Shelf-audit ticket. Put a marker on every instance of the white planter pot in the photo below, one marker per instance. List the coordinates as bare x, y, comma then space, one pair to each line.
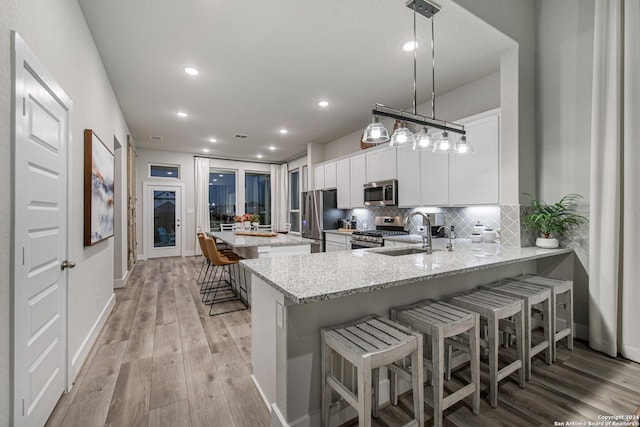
255, 225
541, 242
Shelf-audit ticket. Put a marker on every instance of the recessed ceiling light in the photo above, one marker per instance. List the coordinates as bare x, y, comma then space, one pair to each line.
182, 114
410, 45
271, 147
259, 156
213, 140
191, 71
323, 103
283, 131
205, 150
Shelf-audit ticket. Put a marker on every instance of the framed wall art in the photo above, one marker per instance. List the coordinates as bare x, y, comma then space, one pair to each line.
99, 174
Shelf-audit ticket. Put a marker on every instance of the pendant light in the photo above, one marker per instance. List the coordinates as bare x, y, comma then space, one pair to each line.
463, 147
376, 133
402, 137
423, 140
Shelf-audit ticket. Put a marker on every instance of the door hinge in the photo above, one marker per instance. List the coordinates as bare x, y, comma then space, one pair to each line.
24, 106
23, 412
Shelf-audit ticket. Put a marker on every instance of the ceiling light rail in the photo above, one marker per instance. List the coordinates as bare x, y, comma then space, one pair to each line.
385, 111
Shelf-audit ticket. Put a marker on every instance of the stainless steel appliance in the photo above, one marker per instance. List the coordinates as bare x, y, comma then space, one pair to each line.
381, 193
385, 226
319, 213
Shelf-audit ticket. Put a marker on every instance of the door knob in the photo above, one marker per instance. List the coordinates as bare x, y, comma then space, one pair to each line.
67, 264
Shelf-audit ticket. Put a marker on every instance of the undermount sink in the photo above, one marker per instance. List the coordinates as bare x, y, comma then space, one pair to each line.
408, 251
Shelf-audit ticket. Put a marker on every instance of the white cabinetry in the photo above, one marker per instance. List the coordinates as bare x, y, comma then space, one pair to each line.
330, 175
343, 183
381, 164
423, 178
357, 180
318, 177
324, 176
337, 242
475, 179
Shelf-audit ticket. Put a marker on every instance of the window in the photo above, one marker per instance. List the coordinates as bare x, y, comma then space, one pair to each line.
164, 171
257, 195
294, 197
222, 198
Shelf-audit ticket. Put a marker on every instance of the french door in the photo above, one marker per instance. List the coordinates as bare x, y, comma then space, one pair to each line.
163, 220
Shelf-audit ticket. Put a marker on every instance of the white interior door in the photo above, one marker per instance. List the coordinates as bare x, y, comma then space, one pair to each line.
42, 114
163, 220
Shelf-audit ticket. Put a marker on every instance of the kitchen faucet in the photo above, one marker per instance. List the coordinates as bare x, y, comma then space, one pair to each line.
426, 236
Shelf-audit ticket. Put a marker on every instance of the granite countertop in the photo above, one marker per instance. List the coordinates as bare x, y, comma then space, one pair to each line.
239, 241
406, 238
341, 233
322, 276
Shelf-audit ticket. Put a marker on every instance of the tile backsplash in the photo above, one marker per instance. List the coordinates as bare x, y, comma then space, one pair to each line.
463, 218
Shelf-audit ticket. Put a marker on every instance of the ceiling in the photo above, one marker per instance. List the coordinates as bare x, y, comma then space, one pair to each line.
264, 66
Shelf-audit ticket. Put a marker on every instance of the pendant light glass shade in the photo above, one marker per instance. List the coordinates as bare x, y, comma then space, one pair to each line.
402, 137
375, 133
444, 144
424, 141
463, 147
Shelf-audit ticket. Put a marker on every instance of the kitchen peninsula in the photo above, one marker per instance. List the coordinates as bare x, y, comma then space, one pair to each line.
294, 297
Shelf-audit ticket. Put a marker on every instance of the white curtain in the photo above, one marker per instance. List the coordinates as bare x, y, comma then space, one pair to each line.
279, 196
202, 197
614, 236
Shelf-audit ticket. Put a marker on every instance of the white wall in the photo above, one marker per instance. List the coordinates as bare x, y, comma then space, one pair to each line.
564, 79
475, 97
187, 177
58, 34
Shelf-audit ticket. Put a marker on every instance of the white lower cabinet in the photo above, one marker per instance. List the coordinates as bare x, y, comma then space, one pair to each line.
337, 242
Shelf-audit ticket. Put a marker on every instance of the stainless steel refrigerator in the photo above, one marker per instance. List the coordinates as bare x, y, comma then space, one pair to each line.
319, 212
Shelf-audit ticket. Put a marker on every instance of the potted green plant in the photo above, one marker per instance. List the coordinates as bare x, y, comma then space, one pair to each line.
552, 221
255, 221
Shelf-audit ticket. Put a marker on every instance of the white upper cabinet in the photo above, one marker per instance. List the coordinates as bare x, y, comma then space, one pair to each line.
343, 183
475, 179
358, 178
409, 184
381, 164
434, 179
318, 177
330, 175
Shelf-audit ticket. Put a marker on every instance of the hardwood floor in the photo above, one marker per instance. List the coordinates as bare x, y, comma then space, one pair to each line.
161, 360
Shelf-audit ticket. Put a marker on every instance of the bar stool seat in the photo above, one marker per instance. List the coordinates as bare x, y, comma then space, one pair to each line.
440, 320
495, 310
531, 295
368, 344
564, 290
234, 285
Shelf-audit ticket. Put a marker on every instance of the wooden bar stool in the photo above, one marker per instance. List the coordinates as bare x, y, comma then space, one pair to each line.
495, 310
368, 344
531, 295
440, 321
562, 295
235, 285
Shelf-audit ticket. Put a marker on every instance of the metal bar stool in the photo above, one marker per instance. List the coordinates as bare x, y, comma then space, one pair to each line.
368, 344
495, 311
564, 290
234, 284
439, 321
531, 295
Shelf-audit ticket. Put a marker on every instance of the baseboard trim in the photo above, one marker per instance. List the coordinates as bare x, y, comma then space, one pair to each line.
79, 357
188, 253
142, 257
264, 397
121, 283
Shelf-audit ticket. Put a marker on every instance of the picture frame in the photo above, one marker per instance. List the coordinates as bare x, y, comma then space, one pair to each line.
99, 175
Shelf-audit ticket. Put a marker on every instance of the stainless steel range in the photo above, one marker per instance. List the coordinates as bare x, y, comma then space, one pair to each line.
385, 226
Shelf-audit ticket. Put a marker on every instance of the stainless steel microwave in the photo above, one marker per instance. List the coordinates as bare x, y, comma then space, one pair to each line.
381, 193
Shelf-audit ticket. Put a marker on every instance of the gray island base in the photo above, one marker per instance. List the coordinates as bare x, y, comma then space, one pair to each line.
294, 297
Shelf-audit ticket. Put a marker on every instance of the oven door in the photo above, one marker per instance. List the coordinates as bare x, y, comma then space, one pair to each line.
359, 244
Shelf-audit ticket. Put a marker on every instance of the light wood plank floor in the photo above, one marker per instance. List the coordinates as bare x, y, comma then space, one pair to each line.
161, 360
